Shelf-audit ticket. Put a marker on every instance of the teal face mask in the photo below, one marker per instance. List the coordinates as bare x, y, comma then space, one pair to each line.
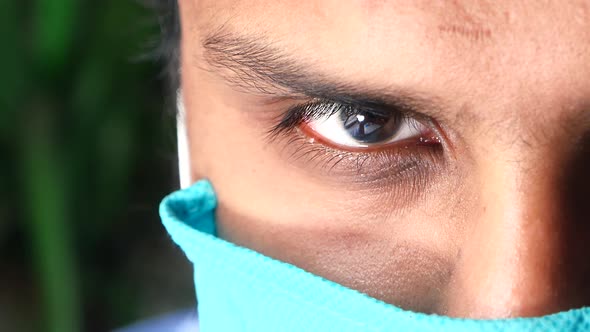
241, 290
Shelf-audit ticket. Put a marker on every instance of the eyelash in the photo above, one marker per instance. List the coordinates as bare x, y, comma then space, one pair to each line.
412, 162
314, 110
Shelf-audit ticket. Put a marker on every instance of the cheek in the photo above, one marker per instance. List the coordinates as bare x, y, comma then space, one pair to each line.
390, 263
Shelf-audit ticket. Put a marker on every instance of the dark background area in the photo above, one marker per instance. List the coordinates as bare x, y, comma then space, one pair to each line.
87, 151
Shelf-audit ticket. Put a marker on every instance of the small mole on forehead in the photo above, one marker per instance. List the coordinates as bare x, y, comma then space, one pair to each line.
458, 19
472, 33
467, 21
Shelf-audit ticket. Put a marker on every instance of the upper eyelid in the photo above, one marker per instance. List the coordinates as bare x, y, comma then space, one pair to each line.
379, 109
298, 113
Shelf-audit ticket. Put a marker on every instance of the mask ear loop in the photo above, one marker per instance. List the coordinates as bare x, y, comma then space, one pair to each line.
184, 166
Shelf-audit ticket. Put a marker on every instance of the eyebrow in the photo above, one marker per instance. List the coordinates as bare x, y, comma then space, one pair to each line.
256, 64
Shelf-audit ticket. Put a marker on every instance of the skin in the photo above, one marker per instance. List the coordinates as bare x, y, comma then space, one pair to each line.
491, 224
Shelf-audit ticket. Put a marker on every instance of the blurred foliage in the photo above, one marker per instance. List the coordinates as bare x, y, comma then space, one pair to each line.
87, 152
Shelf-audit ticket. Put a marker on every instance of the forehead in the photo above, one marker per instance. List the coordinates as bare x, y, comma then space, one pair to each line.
391, 30
465, 49
382, 16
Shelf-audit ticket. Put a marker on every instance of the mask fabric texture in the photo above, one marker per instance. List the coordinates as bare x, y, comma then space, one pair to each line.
241, 290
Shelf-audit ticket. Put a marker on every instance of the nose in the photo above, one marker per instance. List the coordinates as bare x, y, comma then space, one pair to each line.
527, 252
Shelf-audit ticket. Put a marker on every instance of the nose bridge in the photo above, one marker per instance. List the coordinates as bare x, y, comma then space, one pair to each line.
516, 257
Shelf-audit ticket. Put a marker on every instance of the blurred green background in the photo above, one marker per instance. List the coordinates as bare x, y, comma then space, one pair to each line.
87, 151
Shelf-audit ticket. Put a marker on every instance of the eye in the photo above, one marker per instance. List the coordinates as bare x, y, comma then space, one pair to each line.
355, 128
361, 142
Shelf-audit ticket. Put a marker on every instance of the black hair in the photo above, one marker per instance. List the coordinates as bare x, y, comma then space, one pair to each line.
168, 49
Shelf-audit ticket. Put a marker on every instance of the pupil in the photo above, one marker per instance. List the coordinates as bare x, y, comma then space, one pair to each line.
368, 127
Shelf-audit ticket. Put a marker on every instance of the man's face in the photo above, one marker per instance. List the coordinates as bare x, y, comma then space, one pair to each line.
432, 154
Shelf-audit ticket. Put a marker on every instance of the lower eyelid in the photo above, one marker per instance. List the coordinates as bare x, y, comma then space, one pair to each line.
403, 165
